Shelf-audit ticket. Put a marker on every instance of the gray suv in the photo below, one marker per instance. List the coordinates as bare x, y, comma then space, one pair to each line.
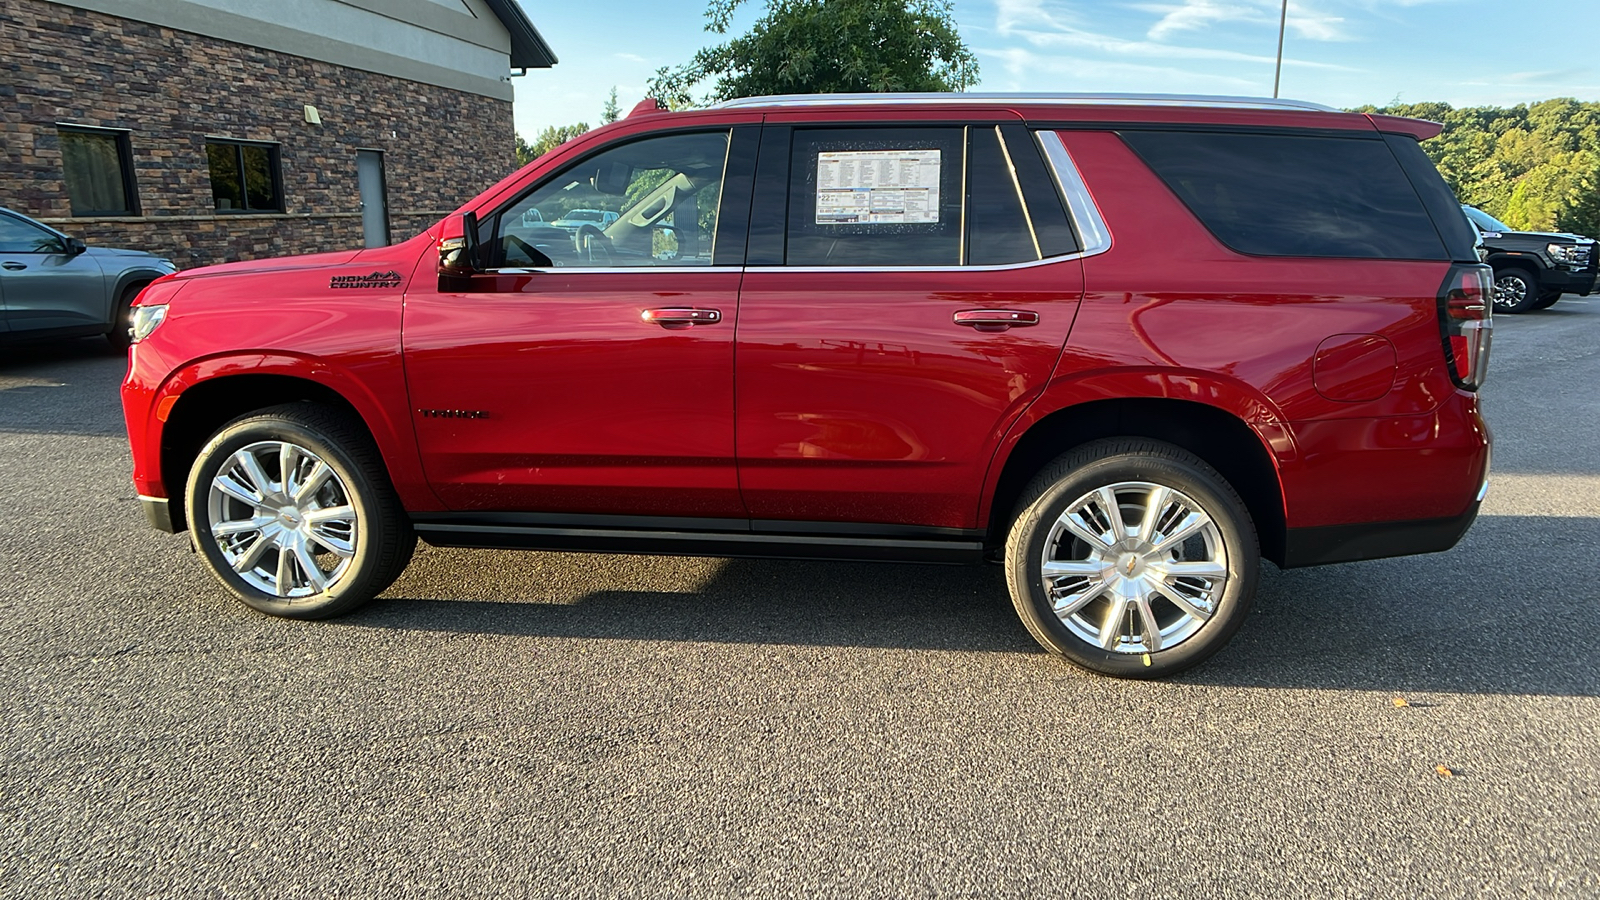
52, 285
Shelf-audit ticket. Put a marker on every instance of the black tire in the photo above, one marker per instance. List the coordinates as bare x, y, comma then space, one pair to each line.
1122, 462
1546, 300
1515, 290
122, 319
383, 539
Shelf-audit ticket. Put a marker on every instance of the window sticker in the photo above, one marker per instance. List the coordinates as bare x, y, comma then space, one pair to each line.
887, 187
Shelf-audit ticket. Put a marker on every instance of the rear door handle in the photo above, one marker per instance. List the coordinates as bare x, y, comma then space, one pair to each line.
682, 317
14, 266
996, 319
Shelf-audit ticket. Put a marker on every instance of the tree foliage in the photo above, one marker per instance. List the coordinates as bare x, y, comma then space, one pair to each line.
548, 139
612, 111
826, 46
1534, 167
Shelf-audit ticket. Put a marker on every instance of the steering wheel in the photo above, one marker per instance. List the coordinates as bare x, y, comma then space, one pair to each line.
593, 245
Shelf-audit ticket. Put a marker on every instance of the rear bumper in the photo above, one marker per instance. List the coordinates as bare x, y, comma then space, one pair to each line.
1373, 540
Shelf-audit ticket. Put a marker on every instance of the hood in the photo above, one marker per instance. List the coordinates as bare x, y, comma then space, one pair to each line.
282, 263
119, 252
1541, 235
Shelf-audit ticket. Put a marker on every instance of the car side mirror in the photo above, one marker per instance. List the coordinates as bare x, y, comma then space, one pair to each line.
461, 256
76, 247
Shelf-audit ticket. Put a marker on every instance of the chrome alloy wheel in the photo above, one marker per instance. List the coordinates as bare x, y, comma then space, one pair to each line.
1509, 291
1134, 567
283, 519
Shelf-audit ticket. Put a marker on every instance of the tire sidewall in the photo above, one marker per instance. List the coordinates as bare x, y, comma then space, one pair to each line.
1233, 522
351, 589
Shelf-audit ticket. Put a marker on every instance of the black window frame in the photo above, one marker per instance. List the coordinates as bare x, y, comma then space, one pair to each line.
1042, 202
274, 164
130, 189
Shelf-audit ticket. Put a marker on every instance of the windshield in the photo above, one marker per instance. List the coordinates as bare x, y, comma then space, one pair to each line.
1485, 221
584, 215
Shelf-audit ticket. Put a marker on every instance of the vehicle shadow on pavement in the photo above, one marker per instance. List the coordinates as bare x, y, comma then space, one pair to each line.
1500, 614
62, 387
779, 602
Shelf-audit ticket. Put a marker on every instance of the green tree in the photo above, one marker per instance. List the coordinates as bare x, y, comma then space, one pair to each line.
826, 46
1535, 167
548, 139
612, 111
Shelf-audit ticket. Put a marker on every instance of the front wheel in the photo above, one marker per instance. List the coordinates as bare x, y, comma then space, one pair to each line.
1515, 290
293, 512
1132, 558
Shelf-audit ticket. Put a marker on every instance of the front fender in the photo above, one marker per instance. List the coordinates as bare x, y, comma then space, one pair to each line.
150, 400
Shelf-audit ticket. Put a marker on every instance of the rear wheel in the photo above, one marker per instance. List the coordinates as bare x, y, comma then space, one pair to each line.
1515, 290
1132, 558
293, 512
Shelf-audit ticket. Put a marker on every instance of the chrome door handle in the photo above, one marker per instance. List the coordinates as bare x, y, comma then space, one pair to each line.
14, 266
682, 317
996, 319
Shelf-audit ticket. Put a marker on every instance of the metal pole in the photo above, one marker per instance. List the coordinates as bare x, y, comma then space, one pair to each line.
1277, 73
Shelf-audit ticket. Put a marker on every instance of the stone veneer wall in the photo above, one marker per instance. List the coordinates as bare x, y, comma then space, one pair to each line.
173, 89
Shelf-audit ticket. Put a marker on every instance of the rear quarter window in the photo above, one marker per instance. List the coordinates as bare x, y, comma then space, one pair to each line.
1294, 195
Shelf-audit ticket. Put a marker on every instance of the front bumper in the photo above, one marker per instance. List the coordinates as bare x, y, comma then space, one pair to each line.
158, 511
1570, 282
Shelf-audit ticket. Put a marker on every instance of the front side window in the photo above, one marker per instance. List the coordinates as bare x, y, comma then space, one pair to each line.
245, 177
651, 202
97, 166
17, 236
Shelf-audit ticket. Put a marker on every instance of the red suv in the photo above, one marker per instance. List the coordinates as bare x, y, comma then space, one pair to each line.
1125, 346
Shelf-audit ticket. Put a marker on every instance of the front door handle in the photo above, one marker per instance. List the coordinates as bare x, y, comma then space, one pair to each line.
996, 319
14, 266
682, 317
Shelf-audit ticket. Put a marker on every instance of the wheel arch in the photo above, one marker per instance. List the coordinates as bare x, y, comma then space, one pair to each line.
126, 281
200, 399
1241, 454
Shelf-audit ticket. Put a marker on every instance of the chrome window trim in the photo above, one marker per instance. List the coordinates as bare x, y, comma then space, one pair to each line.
1065, 257
613, 270
1091, 226
574, 270
1182, 100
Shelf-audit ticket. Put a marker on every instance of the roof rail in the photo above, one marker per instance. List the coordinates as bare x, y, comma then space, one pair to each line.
1198, 100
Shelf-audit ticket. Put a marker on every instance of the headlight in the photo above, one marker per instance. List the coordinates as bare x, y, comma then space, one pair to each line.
145, 320
167, 264
1576, 255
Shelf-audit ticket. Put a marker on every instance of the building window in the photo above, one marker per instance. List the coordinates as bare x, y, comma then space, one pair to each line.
97, 165
245, 177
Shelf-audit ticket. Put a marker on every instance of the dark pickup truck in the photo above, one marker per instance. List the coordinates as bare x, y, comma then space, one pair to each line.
1532, 269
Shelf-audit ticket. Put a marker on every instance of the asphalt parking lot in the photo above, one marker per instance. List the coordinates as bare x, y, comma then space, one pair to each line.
564, 725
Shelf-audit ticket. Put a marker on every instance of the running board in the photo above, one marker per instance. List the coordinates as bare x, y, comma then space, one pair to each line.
701, 537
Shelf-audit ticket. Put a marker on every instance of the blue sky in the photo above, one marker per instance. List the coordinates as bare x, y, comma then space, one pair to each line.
1339, 52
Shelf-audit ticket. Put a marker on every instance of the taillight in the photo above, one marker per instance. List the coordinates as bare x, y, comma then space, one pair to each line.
1465, 320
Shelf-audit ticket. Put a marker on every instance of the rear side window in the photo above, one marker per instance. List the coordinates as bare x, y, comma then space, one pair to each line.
1294, 195
870, 197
